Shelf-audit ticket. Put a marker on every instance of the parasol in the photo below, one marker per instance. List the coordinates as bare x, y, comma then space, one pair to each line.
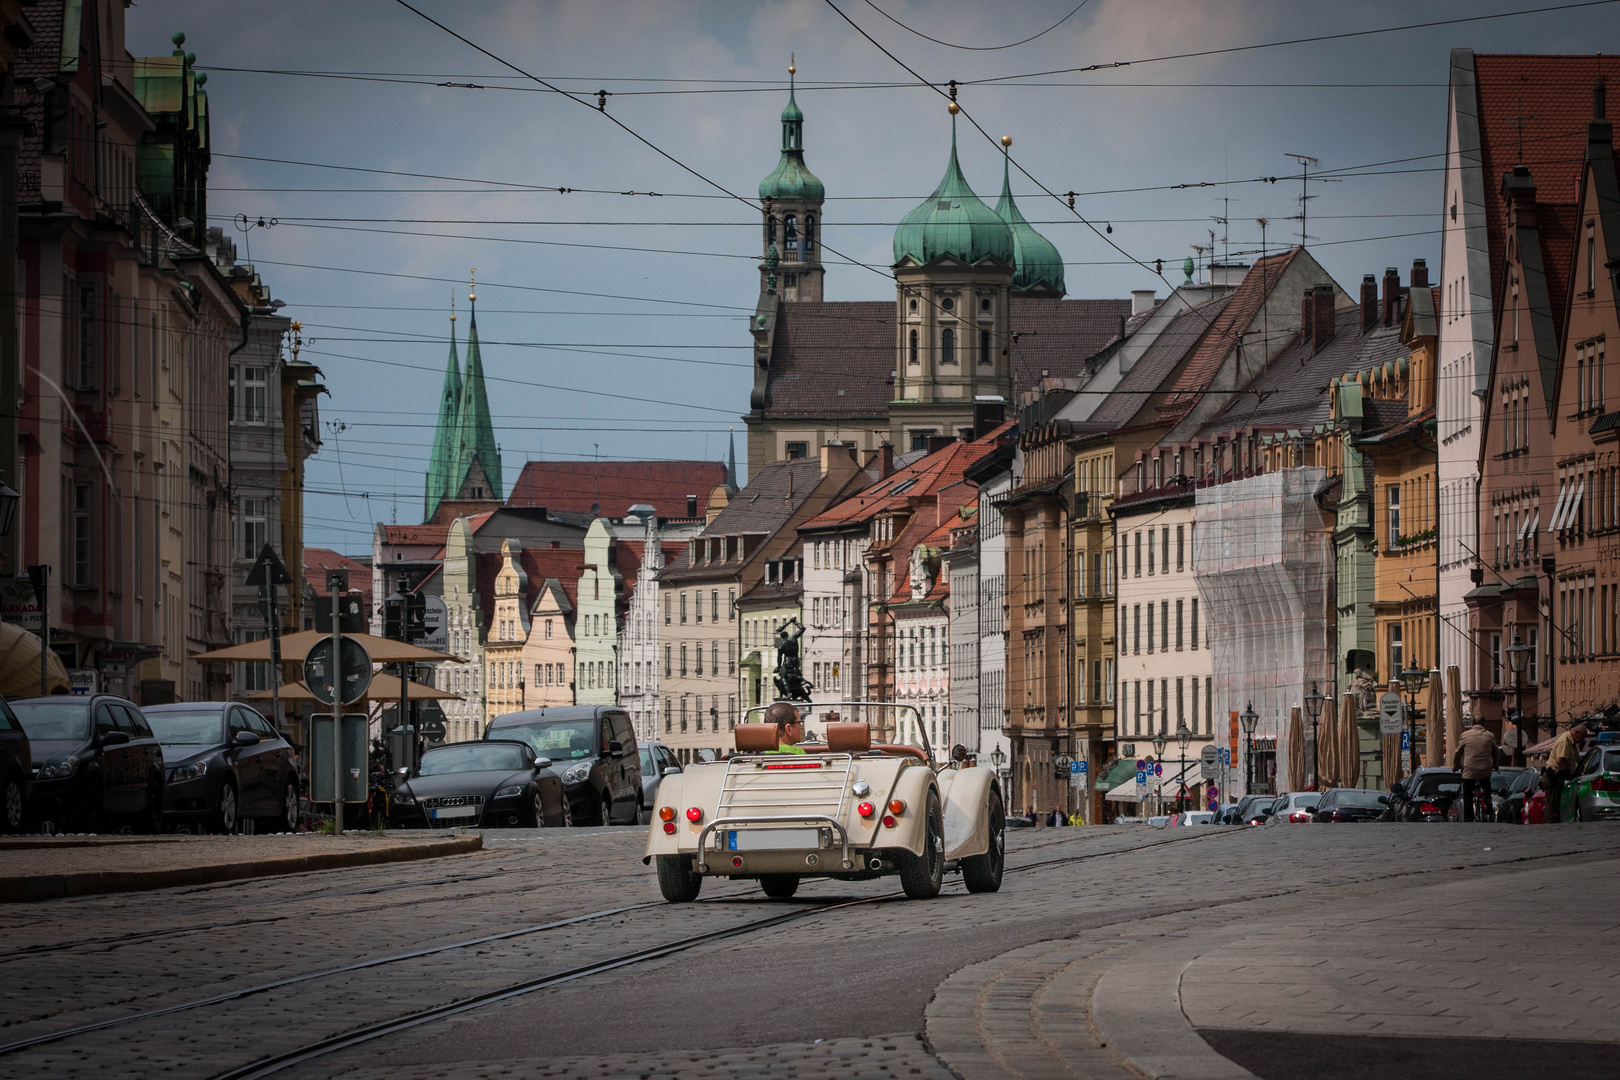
1436, 743
294, 647
1350, 751
1296, 750
1454, 716
1327, 747
384, 688
19, 663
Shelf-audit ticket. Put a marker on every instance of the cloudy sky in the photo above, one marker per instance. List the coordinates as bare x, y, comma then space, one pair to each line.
612, 319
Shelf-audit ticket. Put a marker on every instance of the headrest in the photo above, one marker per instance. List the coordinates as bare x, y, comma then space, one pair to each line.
849, 738
755, 738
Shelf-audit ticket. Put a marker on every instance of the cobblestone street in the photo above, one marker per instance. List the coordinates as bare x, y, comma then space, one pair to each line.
1317, 952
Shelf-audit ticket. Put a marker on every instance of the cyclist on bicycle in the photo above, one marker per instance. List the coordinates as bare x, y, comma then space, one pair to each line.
1476, 758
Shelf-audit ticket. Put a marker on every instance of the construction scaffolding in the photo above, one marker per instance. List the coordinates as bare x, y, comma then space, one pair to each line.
1263, 562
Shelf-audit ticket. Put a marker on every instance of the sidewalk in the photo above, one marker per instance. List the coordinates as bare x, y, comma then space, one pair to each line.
46, 868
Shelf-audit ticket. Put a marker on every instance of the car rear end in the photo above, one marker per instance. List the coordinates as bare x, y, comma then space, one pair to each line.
1599, 792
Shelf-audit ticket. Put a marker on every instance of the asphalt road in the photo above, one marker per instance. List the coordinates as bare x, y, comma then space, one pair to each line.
1321, 951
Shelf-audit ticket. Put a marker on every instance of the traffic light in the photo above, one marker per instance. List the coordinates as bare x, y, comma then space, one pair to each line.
394, 618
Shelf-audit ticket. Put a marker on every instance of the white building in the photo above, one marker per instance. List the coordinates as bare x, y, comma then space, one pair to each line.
601, 590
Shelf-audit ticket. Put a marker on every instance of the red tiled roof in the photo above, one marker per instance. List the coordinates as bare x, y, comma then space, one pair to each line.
1222, 335
1534, 110
416, 534
319, 558
922, 477
616, 486
1556, 222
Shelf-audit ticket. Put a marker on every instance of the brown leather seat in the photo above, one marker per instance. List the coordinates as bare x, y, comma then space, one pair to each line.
849, 738
755, 738
900, 750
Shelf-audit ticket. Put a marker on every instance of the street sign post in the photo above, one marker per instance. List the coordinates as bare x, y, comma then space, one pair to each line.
1391, 714
1209, 761
320, 671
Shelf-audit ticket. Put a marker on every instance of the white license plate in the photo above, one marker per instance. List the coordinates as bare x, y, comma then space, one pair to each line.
455, 812
772, 839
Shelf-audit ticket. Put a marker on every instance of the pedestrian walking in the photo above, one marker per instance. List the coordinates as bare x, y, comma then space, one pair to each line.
1475, 757
1562, 762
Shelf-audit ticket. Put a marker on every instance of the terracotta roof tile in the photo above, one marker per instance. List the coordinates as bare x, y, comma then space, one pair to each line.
615, 486
921, 478
1222, 336
1533, 110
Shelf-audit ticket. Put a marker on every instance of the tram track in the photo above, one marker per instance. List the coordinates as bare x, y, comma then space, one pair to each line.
269, 1065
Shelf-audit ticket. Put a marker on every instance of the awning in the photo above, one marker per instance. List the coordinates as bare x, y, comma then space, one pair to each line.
384, 688
1125, 793
294, 647
19, 663
1120, 772
1572, 512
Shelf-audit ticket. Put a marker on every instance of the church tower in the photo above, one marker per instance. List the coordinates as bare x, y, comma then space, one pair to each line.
477, 464
953, 266
792, 199
442, 462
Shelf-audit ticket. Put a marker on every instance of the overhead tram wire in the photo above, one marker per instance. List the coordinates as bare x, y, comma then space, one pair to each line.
979, 48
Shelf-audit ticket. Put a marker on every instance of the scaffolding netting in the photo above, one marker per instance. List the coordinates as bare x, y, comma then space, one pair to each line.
1263, 565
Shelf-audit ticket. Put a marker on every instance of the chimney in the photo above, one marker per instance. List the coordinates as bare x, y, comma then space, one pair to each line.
1307, 318
691, 506
1142, 301
1420, 274
1324, 314
1227, 275
883, 458
1369, 301
1392, 294
936, 443
987, 416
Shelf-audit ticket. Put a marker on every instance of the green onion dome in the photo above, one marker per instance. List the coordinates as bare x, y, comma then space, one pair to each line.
1038, 266
955, 222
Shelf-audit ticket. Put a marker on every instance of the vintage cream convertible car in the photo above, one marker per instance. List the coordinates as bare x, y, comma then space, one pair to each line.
848, 808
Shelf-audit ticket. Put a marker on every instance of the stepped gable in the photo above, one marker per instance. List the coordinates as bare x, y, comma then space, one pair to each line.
574, 487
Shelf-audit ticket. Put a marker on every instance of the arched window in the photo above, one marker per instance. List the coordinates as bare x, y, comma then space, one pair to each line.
790, 233
914, 348
984, 347
770, 229
947, 346
809, 233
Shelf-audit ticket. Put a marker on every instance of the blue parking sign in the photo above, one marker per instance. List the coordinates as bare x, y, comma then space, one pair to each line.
1406, 740
1141, 777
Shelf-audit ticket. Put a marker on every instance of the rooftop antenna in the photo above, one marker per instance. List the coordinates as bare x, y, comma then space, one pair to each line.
1305, 163
1519, 123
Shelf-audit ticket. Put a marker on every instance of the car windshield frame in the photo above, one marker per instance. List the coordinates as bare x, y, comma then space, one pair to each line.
196, 717
481, 756
534, 733
52, 721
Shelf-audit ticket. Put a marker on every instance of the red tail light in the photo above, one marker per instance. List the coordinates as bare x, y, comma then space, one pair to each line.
666, 813
694, 814
669, 827
866, 809
1334, 815
1299, 816
1428, 808
1604, 783
889, 821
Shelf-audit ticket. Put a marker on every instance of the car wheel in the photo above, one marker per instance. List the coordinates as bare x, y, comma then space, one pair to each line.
12, 809
679, 883
567, 812
225, 815
287, 820
982, 873
537, 811
1575, 810
640, 817
920, 875
150, 819
607, 809
779, 886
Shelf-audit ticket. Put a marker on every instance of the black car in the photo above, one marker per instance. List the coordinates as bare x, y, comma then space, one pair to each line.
1426, 795
1521, 786
494, 782
1253, 809
16, 770
594, 751
95, 761
1351, 804
224, 763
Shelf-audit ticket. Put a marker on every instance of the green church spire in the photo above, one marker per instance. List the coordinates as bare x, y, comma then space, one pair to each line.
477, 471
441, 463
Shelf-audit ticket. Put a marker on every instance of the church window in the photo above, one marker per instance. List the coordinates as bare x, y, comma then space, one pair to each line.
914, 307
948, 304
795, 450
809, 233
770, 228
984, 304
914, 345
984, 346
947, 345
790, 233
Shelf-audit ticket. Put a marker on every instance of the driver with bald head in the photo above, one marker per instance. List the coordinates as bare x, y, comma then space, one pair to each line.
789, 727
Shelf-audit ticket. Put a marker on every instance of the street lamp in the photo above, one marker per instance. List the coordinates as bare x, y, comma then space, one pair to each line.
1313, 709
1518, 655
1158, 758
1413, 679
1248, 718
1183, 737
998, 758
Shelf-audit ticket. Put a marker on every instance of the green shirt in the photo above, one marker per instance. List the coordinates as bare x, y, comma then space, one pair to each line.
787, 748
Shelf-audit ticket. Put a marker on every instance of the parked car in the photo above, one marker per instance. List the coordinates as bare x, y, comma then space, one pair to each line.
657, 762
593, 748
1194, 817
1594, 793
1426, 795
224, 763
95, 761
1511, 804
1502, 785
16, 770
1253, 809
494, 782
1159, 821
1351, 804
1293, 808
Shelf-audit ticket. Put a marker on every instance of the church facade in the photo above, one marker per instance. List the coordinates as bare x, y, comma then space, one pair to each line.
978, 316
